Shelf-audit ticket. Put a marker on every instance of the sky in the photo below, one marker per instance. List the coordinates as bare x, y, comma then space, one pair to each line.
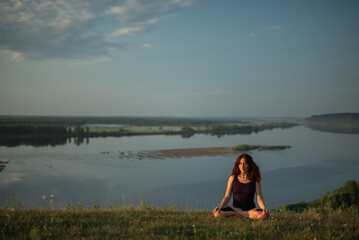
198, 58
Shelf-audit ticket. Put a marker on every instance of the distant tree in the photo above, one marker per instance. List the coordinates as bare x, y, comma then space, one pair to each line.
79, 130
187, 129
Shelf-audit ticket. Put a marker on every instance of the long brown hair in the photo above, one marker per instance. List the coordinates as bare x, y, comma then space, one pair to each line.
253, 170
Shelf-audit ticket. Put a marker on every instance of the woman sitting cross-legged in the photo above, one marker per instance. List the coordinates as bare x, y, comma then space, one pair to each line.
244, 182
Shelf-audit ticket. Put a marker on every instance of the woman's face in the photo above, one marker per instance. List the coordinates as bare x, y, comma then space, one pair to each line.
243, 166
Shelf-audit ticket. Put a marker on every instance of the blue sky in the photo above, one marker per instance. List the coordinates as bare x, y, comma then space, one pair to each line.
179, 57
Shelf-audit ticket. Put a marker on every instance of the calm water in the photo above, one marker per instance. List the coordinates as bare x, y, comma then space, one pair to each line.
318, 162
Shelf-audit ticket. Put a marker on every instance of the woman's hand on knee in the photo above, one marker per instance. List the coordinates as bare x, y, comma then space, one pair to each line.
264, 214
216, 210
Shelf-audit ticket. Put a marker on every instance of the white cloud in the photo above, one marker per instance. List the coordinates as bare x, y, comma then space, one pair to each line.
152, 21
67, 29
129, 31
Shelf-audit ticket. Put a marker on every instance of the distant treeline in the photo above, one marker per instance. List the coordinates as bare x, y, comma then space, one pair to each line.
336, 118
337, 123
40, 129
133, 121
253, 128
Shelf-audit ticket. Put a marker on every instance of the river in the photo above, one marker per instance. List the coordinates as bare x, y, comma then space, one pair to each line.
94, 172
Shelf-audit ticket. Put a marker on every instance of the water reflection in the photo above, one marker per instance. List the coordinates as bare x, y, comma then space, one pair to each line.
44, 142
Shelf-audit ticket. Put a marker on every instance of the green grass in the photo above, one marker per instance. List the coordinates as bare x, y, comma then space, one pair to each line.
154, 223
330, 217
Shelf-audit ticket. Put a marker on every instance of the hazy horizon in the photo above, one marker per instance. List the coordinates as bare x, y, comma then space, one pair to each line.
179, 58
159, 116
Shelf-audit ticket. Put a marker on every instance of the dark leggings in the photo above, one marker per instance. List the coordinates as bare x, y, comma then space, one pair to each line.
228, 209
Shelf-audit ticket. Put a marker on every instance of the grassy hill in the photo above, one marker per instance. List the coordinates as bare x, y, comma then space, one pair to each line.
320, 220
341, 198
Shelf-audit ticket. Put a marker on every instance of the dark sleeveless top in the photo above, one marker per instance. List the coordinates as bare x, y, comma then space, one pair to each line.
243, 194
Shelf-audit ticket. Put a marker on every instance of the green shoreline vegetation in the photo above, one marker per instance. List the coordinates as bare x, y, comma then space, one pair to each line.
24, 129
45, 135
245, 147
341, 198
333, 216
40, 131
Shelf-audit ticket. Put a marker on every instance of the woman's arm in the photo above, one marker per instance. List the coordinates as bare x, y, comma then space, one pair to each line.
227, 197
260, 200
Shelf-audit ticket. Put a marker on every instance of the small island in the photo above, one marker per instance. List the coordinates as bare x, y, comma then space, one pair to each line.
196, 152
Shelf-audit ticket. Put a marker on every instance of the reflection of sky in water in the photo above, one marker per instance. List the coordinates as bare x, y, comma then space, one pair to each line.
317, 163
